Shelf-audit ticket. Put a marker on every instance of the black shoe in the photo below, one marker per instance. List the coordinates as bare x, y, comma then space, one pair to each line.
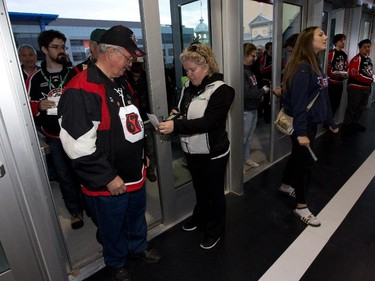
120, 274
209, 243
149, 256
98, 239
76, 221
361, 128
151, 177
348, 128
190, 226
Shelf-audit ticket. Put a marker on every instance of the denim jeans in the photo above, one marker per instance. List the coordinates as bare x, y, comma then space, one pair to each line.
68, 180
121, 225
250, 119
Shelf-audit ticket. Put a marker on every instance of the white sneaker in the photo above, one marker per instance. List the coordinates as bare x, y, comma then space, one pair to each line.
246, 169
307, 217
289, 190
251, 163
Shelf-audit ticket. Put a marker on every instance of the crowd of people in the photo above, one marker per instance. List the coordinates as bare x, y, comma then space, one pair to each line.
93, 117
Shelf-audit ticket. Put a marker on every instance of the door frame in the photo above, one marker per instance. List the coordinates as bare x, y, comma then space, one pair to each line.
29, 197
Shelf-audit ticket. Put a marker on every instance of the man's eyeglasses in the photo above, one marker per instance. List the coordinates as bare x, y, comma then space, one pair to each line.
129, 58
195, 48
57, 47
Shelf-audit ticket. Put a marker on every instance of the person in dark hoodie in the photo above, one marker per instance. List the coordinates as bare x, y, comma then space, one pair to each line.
202, 110
252, 98
304, 82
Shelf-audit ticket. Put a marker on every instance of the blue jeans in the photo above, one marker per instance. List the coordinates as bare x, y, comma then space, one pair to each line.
68, 180
121, 225
250, 119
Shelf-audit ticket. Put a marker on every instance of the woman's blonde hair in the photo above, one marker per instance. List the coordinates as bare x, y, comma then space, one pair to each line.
303, 52
201, 54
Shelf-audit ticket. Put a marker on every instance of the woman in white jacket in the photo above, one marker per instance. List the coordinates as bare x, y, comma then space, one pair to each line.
203, 110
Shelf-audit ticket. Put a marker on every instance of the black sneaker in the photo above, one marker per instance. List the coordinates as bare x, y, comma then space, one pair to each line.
209, 243
151, 177
76, 221
190, 226
361, 128
120, 274
149, 256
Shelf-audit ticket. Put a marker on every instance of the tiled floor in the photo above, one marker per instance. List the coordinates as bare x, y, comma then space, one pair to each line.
265, 241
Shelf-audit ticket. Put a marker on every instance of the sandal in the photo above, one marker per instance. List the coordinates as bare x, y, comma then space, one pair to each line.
309, 219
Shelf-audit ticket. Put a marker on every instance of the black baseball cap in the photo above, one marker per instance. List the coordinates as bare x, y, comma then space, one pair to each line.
122, 36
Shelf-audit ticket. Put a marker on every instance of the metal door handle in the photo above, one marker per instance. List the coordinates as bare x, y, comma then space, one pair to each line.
2, 170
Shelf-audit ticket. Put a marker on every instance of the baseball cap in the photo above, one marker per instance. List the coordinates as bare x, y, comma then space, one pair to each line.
122, 36
96, 34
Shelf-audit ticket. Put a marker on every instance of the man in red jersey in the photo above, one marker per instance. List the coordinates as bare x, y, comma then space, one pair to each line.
103, 133
359, 87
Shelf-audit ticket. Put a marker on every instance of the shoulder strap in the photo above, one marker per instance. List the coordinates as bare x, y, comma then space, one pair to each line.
309, 106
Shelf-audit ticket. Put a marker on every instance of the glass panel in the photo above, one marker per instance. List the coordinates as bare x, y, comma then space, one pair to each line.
258, 28
4, 266
195, 23
291, 25
194, 27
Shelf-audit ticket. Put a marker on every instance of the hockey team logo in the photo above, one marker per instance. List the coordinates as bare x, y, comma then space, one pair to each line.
132, 123
323, 81
340, 65
368, 70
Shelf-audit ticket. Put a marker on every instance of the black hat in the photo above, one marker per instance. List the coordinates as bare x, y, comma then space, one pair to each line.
365, 41
97, 34
122, 36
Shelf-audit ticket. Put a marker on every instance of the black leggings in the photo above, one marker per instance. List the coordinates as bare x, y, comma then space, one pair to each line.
208, 180
297, 170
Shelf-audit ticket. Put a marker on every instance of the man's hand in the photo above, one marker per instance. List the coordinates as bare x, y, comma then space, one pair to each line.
46, 104
116, 186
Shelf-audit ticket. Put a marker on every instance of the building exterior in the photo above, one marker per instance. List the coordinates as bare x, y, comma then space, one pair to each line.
27, 26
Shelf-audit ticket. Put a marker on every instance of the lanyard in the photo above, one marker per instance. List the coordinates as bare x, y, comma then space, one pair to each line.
50, 84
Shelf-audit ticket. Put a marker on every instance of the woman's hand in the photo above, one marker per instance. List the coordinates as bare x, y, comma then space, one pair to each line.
166, 127
278, 92
334, 130
303, 140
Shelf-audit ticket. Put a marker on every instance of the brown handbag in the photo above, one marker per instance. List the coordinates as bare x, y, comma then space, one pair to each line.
284, 122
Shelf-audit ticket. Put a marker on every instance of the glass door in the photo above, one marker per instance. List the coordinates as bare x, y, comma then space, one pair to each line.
81, 244
17, 257
5, 273
259, 19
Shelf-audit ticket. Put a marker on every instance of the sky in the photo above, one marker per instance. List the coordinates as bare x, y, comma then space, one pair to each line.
123, 10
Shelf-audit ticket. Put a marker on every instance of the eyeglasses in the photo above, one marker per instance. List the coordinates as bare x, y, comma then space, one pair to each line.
57, 47
195, 48
129, 58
